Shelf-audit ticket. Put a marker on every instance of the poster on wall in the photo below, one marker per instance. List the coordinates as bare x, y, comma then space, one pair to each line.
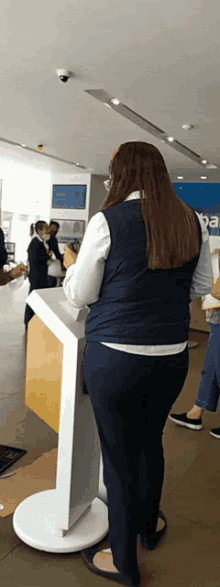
205, 199
70, 230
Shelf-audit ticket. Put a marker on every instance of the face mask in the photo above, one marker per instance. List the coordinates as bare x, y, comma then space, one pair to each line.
45, 237
107, 184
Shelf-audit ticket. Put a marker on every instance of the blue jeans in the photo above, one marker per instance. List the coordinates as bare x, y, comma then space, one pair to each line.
131, 396
209, 389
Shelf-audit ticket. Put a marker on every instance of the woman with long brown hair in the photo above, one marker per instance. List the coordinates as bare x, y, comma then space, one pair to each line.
143, 258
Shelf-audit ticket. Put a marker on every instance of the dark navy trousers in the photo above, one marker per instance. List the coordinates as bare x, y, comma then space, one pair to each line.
131, 396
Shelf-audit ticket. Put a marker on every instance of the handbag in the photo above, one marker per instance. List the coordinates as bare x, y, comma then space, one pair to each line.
54, 268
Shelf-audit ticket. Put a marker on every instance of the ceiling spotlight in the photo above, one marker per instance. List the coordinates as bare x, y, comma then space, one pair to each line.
170, 139
180, 177
77, 163
203, 176
22, 145
115, 101
187, 126
204, 161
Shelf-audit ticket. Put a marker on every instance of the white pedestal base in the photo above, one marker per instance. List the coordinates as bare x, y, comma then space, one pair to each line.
34, 524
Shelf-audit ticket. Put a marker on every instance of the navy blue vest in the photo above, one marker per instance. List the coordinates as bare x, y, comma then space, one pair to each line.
138, 305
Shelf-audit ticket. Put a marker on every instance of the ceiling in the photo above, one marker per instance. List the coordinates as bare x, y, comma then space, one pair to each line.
160, 58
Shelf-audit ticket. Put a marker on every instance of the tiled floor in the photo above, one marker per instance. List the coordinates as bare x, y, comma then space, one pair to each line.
188, 554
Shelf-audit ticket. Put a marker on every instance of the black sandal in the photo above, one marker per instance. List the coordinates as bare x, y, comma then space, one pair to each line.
88, 556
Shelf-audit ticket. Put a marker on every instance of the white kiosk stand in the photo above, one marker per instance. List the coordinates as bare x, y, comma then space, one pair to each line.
73, 516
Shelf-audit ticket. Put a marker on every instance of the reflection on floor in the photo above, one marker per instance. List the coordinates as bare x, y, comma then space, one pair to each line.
189, 553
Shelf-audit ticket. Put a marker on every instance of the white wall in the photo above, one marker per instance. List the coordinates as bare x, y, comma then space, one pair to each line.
27, 190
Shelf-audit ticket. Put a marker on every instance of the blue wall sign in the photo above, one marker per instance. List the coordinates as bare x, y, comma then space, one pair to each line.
205, 199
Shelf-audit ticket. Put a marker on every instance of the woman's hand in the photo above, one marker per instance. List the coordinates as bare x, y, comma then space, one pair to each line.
215, 293
69, 257
17, 271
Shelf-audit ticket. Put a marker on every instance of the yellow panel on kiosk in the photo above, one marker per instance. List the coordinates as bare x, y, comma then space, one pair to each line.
43, 373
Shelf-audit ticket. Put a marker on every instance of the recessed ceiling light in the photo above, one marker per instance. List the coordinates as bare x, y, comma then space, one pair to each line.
22, 145
115, 101
187, 126
204, 161
180, 177
170, 139
77, 163
203, 176
211, 166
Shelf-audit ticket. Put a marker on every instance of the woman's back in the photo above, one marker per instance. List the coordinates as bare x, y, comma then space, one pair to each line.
37, 258
138, 305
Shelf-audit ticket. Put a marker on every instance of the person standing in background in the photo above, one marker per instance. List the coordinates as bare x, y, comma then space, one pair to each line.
38, 259
18, 271
53, 245
144, 256
209, 388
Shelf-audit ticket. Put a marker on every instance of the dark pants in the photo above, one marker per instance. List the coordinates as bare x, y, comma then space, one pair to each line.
52, 281
29, 313
131, 396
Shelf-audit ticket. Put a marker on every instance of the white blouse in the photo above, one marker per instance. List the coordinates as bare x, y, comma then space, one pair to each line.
83, 279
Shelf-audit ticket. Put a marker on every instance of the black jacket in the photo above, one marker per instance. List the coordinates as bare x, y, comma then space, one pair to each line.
37, 258
53, 246
3, 252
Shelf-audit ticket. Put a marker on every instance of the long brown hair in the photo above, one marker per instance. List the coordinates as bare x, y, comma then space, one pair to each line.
172, 235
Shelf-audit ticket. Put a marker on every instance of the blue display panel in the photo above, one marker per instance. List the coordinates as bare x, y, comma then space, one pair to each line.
205, 196
205, 199
69, 197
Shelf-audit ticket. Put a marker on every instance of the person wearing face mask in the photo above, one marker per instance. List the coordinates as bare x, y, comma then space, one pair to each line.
38, 258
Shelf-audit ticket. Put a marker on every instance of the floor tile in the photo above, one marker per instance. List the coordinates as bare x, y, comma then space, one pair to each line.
188, 556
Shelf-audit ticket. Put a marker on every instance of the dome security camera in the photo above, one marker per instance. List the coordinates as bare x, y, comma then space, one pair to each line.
63, 75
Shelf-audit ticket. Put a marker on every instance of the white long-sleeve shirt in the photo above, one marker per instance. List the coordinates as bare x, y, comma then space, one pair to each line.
83, 279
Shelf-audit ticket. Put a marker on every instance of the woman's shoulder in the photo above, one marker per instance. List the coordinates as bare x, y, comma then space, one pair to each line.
35, 243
